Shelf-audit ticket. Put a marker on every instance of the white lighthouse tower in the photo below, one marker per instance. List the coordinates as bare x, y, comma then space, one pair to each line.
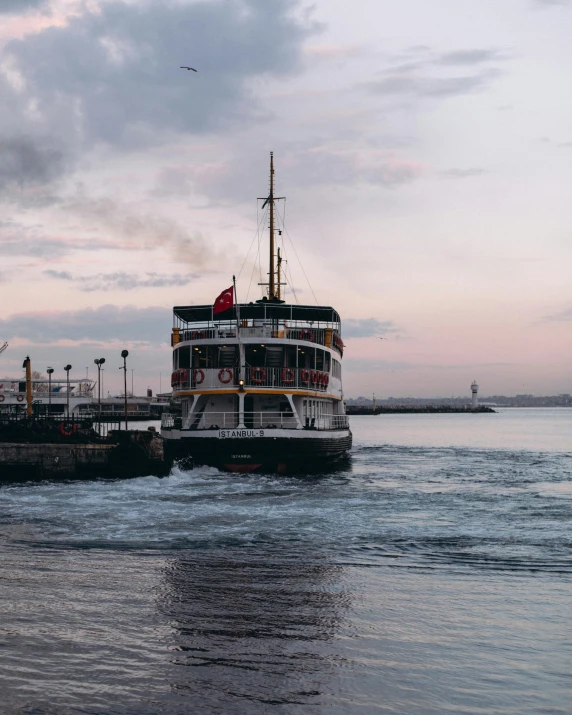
475, 393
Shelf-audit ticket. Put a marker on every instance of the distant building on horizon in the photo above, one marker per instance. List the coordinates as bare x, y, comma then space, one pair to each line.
475, 396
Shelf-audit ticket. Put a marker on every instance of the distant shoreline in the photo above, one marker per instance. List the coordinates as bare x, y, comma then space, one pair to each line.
415, 410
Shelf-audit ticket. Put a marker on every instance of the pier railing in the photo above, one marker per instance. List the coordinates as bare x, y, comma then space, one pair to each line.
54, 427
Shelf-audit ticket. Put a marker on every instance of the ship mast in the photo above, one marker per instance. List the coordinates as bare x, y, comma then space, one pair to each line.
271, 284
279, 275
274, 272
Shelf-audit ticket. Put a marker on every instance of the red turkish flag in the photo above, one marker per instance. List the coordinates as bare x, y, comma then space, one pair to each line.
225, 301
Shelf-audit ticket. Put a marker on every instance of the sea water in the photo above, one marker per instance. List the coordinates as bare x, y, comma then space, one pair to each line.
431, 574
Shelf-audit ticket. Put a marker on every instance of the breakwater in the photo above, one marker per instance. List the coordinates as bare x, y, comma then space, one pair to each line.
408, 410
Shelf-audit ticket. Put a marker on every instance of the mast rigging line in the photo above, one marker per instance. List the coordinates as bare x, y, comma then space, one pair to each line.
296, 253
256, 235
254, 264
285, 260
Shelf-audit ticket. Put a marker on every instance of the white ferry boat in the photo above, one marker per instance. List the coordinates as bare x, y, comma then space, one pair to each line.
49, 396
260, 384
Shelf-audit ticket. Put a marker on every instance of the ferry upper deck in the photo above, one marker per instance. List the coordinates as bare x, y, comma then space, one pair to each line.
263, 319
283, 346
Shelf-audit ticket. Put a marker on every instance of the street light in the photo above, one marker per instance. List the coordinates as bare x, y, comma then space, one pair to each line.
50, 371
99, 363
124, 354
67, 368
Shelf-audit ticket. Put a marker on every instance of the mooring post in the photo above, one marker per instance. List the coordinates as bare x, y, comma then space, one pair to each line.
124, 354
28, 365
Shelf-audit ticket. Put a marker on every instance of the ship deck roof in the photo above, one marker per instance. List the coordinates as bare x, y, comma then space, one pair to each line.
258, 311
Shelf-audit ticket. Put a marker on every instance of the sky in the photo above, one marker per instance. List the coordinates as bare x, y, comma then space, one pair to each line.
425, 150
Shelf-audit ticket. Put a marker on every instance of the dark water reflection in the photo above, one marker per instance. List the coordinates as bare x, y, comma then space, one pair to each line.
254, 627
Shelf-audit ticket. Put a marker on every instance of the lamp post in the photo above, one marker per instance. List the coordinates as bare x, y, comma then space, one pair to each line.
124, 354
50, 371
99, 363
67, 368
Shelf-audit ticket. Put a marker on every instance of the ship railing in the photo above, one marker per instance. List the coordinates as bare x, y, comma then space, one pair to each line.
121, 413
262, 419
202, 334
319, 336
167, 420
326, 422
339, 422
285, 378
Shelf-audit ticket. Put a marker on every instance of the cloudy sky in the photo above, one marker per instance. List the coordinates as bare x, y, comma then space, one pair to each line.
425, 149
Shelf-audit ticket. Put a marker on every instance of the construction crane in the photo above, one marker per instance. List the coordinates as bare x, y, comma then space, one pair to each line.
3, 347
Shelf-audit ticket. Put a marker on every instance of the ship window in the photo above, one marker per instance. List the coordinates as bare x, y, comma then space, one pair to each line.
199, 356
204, 357
327, 359
255, 355
306, 358
336, 369
274, 356
319, 360
289, 356
182, 357
226, 356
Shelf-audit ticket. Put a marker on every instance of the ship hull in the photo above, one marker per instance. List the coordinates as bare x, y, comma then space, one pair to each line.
244, 451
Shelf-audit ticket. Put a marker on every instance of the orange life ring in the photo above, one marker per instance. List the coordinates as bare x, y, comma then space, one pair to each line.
287, 375
305, 376
198, 373
67, 429
307, 335
326, 379
221, 372
20, 398
198, 335
175, 378
257, 374
314, 377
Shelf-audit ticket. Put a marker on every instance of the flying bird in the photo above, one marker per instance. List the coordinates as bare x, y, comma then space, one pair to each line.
189, 68
382, 338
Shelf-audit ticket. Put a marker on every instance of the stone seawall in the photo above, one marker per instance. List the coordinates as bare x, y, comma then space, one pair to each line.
126, 454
